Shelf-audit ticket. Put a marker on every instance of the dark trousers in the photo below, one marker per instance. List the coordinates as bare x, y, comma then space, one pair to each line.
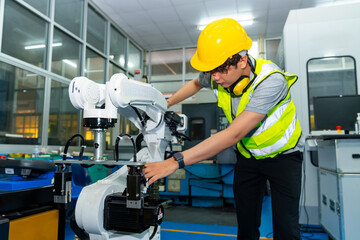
284, 175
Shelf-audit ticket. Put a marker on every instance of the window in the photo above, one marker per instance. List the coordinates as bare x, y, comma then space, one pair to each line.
41, 5
134, 61
272, 49
94, 66
29, 61
21, 105
65, 59
113, 69
330, 76
69, 14
96, 30
191, 72
126, 126
197, 128
117, 47
63, 118
166, 65
24, 35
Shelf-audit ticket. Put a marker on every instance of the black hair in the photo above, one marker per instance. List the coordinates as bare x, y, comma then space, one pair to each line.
231, 61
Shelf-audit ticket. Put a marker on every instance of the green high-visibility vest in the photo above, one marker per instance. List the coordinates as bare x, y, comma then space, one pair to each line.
280, 131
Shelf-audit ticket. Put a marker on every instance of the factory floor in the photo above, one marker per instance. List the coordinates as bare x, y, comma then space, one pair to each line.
182, 222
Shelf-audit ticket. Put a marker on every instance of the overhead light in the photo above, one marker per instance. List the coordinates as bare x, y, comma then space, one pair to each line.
31, 75
41, 46
343, 2
69, 63
244, 20
93, 71
14, 135
329, 55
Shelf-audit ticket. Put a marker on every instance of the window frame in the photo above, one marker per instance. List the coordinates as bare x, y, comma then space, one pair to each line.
308, 82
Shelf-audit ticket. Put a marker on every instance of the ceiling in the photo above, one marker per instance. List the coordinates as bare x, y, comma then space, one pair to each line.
167, 24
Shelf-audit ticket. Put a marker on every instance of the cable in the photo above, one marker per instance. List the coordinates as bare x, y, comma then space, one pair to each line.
81, 233
69, 142
138, 141
143, 119
154, 232
81, 149
118, 138
268, 235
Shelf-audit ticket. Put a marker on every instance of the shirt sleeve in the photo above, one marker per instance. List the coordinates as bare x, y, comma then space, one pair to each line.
268, 93
205, 80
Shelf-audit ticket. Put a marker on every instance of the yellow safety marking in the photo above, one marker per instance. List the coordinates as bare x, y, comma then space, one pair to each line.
206, 233
184, 231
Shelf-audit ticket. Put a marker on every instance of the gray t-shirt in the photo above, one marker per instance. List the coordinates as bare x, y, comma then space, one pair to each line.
265, 96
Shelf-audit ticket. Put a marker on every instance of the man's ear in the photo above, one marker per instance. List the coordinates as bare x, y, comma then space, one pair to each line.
243, 61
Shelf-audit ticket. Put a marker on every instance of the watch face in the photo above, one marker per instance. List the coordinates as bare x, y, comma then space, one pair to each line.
180, 159
178, 156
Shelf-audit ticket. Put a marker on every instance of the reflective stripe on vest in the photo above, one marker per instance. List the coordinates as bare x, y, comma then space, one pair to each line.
281, 129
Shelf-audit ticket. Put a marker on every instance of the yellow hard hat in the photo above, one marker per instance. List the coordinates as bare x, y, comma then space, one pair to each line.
217, 42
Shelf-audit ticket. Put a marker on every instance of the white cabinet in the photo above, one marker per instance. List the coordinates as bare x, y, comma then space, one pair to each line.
339, 176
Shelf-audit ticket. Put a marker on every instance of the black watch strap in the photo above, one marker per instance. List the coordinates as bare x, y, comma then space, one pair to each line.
179, 157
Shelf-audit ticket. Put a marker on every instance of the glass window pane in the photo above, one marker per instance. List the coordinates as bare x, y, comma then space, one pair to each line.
113, 69
88, 136
272, 49
94, 66
21, 105
126, 126
191, 72
197, 128
69, 14
63, 118
147, 63
66, 58
96, 27
117, 47
134, 61
330, 76
24, 34
166, 65
41, 5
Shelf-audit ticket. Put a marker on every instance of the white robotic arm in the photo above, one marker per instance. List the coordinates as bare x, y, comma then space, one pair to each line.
125, 93
90, 96
139, 102
145, 106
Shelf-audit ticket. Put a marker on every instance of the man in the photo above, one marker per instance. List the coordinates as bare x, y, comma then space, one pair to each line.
255, 97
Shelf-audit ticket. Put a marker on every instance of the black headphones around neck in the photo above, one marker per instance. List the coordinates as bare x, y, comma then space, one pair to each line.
242, 84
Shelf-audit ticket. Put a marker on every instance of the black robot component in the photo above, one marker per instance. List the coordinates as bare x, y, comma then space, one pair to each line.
132, 211
101, 123
173, 120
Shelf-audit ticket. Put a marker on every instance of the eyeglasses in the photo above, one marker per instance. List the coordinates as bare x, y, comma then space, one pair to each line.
220, 69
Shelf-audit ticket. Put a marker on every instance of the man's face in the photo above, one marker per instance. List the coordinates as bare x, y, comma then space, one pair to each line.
227, 78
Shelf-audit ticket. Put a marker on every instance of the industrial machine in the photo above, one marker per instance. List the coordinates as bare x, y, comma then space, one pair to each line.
309, 50
339, 178
119, 206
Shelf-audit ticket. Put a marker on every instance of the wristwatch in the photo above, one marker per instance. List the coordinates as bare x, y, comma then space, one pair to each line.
179, 157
